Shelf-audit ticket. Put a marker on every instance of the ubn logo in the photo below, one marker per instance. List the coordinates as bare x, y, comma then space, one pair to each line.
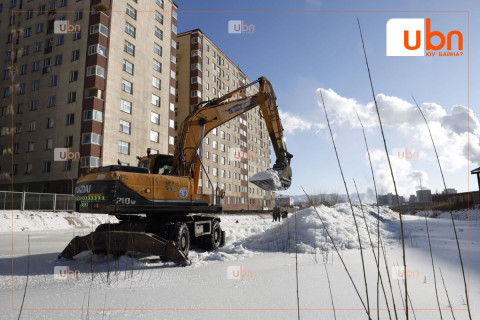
238, 273
398, 272
64, 272
238, 26
237, 154
64, 26
405, 154
412, 37
64, 154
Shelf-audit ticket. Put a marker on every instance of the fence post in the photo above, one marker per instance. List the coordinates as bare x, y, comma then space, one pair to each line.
54, 202
23, 201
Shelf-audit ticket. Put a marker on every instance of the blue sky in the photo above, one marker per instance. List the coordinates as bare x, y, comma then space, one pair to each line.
303, 51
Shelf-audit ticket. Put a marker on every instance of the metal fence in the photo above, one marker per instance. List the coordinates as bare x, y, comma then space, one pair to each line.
11, 200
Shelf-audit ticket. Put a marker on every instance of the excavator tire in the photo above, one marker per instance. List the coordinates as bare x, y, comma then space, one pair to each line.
178, 233
214, 240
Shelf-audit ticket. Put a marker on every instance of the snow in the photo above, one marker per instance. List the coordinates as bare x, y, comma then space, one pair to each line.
34, 220
269, 175
265, 252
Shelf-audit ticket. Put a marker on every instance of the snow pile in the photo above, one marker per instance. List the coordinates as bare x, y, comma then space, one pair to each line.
312, 236
35, 220
256, 234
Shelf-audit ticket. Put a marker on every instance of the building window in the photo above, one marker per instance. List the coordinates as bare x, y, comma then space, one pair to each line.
155, 117
52, 101
99, 28
195, 53
159, 17
49, 144
92, 115
54, 81
50, 123
96, 70
155, 100
196, 40
123, 147
127, 86
87, 162
30, 146
158, 33
153, 136
131, 12
195, 94
34, 105
72, 97
97, 48
91, 138
126, 106
77, 35
58, 59
157, 66
171, 123
125, 126
28, 168
171, 140
130, 29
156, 82
47, 165
127, 66
75, 55
73, 76
68, 142
196, 80
129, 48
67, 166
36, 85
157, 49
196, 66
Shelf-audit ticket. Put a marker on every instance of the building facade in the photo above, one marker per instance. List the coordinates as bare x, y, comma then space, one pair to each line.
85, 83
235, 150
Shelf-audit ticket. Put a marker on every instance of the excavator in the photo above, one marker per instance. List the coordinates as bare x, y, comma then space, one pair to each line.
157, 203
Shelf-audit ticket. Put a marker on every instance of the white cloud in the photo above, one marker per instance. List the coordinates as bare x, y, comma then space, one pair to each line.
292, 123
453, 132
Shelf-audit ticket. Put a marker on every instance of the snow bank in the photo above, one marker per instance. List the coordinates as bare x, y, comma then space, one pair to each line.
256, 234
473, 214
35, 220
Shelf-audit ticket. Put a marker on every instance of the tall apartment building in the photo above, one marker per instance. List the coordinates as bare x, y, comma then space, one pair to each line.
94, 76
237, 149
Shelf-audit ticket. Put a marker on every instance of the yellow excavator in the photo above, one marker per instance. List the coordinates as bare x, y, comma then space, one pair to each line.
157, 203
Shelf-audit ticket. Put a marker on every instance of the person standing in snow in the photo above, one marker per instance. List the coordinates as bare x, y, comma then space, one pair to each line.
276, 214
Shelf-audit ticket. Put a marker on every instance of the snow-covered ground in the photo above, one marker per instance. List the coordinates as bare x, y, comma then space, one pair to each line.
263, 250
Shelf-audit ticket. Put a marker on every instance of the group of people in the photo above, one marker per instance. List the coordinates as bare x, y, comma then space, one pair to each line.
278, 214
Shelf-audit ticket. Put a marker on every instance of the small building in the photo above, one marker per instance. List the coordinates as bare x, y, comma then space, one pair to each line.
389, 199
450, 191
284, 201
424, 196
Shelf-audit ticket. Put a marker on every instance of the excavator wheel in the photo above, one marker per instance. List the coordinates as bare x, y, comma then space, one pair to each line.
178, 233
213, 240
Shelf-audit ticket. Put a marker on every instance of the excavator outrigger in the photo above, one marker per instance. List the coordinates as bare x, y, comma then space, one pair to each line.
157, 202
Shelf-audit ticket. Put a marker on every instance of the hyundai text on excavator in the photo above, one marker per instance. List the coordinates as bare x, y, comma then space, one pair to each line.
157, 203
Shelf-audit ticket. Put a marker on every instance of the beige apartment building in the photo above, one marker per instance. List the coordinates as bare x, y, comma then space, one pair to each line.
237, 149
84, 83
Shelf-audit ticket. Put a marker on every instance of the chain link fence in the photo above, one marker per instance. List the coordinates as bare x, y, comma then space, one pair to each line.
11, 200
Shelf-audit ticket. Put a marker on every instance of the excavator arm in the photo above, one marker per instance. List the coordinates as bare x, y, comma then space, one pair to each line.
211, 114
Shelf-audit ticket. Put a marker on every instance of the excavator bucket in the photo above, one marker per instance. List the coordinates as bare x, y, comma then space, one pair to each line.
273, 179
119, 242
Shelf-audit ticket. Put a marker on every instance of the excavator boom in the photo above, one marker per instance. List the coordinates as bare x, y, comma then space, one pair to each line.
211, 114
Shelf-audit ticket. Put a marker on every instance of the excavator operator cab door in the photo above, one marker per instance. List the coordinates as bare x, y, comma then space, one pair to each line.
163, 165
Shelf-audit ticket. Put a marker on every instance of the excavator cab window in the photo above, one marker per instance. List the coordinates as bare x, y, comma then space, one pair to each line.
163, 165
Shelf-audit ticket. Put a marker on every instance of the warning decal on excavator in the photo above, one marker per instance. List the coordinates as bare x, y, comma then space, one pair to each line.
183, 193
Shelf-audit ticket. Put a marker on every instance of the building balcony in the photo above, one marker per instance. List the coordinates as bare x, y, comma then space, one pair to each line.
101, 5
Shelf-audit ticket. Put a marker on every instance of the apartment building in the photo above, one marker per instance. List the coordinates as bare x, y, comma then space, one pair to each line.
84, 83
237, 149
